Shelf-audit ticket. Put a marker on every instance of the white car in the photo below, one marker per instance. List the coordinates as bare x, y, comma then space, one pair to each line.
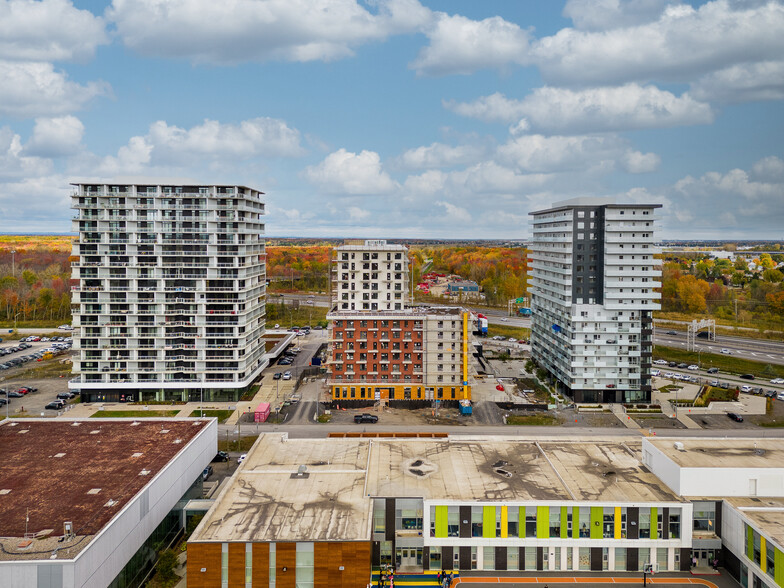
241, 458
693, 368
777, 381
286, 375
745, 388
512, 340
669, 375
277, 326
503, 320
655, 372
660, 361
726, 352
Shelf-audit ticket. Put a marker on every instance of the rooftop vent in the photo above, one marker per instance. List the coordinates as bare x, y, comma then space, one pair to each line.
608, 473
95, 431
679, 446
144, 473
500, 463
110, 503
135, 423
59, 455
503, 472
302, 472
5, 491
93, 491
137, 454
23, 431
75, 424
164, 431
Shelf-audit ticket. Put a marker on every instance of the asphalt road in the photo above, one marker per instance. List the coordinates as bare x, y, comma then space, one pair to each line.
762, 350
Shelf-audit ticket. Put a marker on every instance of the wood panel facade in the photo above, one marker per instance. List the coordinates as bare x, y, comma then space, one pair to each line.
329, 557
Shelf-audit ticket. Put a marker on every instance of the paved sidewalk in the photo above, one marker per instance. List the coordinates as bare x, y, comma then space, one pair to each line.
626, 419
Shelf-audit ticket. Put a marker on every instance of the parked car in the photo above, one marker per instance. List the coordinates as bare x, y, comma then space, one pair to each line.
672, 363
365, 418
713, 370
745, 389
286, 375
277, 376
15, 394
777, 381
671, 333
221, 456
241, 458
735, 417
206, 473
295, 398
747, 376
683, 365
655, 372
660, 361
693, 367
55, 405
65, 395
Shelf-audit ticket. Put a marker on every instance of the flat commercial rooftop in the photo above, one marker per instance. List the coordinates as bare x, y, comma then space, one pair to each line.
767, 514
82, 471
712, 452
267, 501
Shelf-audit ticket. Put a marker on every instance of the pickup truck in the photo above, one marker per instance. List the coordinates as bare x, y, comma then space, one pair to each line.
365, 418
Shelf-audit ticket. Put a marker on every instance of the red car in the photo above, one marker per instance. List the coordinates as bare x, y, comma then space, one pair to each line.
500, 388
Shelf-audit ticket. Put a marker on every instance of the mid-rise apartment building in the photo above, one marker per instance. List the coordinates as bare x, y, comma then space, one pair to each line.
413, 354
370, 275
594, 286
169, 293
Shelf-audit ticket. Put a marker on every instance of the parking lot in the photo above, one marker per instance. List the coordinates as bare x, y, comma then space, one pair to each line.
48, 376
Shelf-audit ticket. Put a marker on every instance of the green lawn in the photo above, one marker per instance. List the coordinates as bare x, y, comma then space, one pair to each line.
221, 415
534, 420
712, 394
232, 445
726, 363
133, 414
508, 331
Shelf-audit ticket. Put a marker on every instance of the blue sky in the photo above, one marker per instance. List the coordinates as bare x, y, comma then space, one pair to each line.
402, 118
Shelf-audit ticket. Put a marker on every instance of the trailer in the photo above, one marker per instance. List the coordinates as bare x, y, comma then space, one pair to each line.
262, 412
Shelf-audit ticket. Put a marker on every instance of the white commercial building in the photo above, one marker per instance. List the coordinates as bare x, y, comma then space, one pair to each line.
90, 503
171, 290
593, 291
370, 275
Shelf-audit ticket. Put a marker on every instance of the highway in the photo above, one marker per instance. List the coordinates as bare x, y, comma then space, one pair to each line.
762, 350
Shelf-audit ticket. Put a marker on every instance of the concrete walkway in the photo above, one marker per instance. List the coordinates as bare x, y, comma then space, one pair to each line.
626, 419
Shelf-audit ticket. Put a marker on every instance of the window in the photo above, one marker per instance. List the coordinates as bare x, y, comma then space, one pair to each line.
488, 558
608, 528
585, 558
770, 560
453, 521
585, 523
644, 523
675, 525
409, 515
304, 563
555, 521
513, 522
224, 565
530, 522
512, 558
272, 565
530, 558
620, 559
435, 558
476, 521
379, 517
705, 517
248, 565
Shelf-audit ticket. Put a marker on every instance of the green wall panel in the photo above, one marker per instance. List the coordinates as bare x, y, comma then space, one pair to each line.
564, 516
654, 522
597, 517
488, 522
542, 522
442, 520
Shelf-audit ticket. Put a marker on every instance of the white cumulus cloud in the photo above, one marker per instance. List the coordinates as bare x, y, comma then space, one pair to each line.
561, 110
351, 173
48, 30
205, 31
681, 45
742, 83
454, 213
14, 163
30, 89
440, 155
610, 14
55, 137
459, 45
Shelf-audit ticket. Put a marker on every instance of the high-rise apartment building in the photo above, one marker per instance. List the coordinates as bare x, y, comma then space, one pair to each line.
594, 286
380, 348
170, 291
370, 275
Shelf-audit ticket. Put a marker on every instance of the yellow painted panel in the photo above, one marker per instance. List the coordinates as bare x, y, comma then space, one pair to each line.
504, 522
617, 522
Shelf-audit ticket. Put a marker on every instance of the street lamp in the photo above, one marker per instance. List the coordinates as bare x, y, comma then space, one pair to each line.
16, 316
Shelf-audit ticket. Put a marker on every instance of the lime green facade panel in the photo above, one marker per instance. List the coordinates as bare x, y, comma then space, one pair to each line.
597, 518
442, 514
488, 522
654, 522
542, 522
564, 517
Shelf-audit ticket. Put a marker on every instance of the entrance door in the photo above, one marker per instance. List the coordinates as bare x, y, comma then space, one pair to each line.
409, 557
